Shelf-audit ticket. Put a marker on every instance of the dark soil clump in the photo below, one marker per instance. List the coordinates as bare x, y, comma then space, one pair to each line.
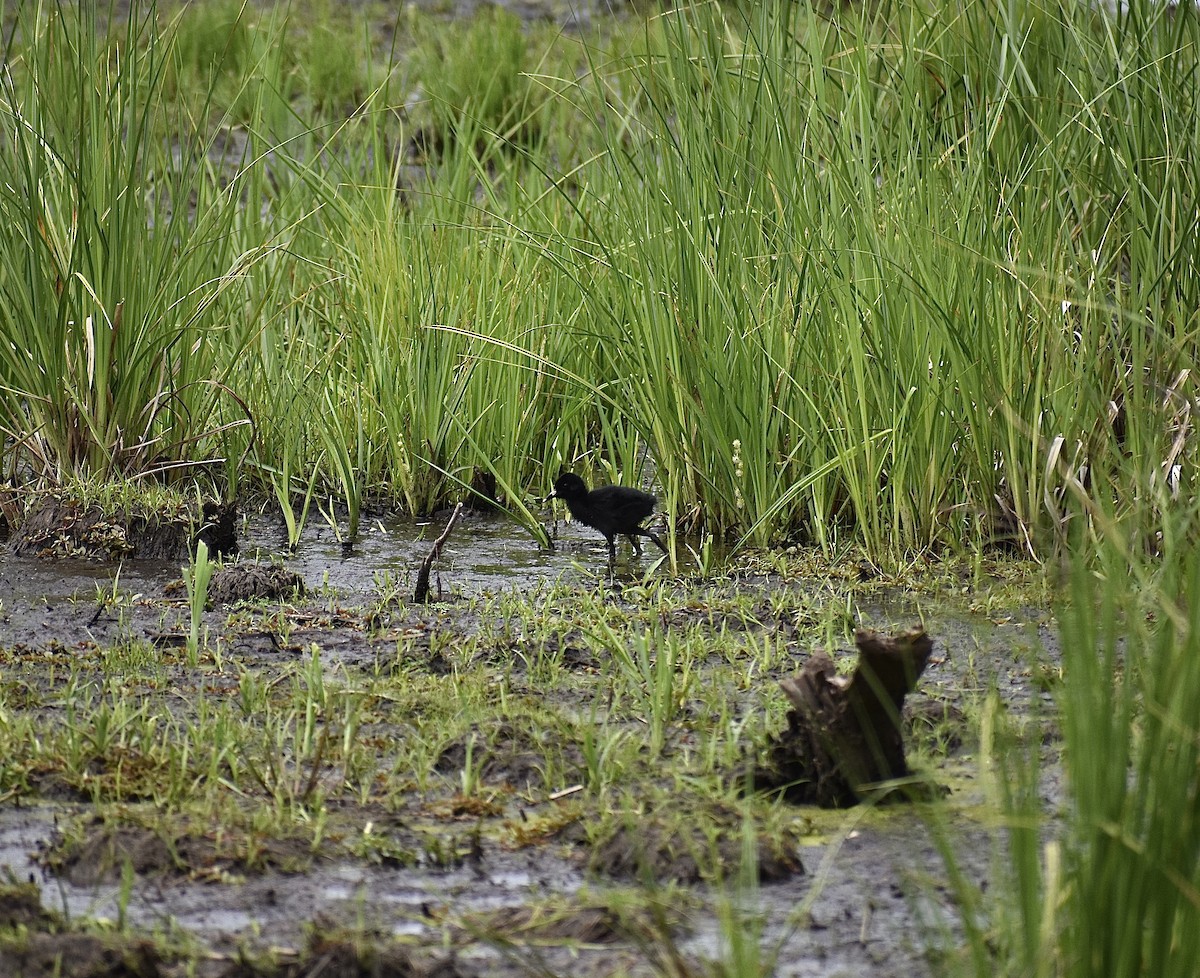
35, 945
80, 956
21, 906
218, 530
936, 722
60, 526
338, 957
693, 848
513, 756
254, 582
587, 925
566, 922
103, 851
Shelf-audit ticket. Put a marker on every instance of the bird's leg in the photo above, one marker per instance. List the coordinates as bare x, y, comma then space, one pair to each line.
612, 552
637, 547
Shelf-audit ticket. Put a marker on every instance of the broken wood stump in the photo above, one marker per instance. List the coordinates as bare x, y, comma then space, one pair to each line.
843, 735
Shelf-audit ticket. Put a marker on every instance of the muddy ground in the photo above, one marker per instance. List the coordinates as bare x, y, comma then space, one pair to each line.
494, 852
502, 857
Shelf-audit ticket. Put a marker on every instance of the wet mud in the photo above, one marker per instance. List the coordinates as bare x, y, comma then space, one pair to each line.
502, 864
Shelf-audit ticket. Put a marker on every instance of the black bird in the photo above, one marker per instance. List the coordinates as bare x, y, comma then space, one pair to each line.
609, 509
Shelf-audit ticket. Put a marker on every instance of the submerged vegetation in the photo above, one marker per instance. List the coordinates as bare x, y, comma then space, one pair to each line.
908, 280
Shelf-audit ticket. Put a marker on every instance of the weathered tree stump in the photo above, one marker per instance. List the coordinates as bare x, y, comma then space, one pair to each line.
844, 732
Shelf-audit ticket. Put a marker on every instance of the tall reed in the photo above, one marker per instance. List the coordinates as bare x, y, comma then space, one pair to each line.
1108, 884
120, 264
890, 254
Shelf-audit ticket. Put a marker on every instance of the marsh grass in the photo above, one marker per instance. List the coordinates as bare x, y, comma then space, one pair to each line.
860, 278
196, 577
1107, 885
120, 258
121, 725
806, 233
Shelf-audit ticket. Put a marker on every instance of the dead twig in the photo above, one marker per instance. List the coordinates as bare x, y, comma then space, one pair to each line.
421, 592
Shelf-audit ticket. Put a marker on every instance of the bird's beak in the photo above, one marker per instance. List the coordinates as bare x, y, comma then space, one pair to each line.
549, 496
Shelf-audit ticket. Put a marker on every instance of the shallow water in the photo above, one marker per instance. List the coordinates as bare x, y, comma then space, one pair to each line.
485, 554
